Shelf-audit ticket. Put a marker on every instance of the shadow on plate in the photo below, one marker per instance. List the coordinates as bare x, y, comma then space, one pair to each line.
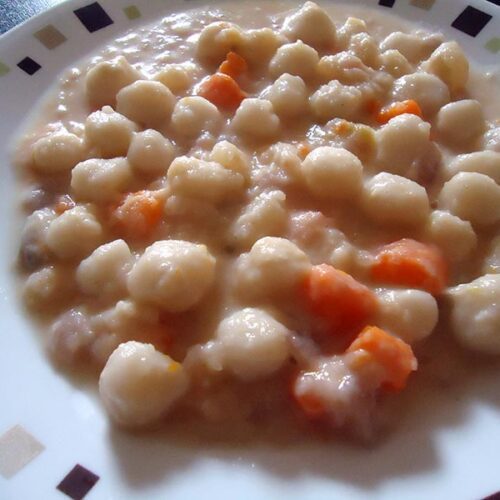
441, 398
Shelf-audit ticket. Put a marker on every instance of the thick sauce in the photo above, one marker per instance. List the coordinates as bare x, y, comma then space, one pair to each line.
290, 235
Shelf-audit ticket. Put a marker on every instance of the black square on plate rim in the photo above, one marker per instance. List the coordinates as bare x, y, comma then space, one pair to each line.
93, 17
29, 66
471, 21
78, 482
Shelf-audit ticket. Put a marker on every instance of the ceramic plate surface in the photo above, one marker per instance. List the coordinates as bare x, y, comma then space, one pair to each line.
55, 437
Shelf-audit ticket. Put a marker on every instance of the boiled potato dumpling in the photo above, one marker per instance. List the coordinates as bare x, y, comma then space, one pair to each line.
251, 344
139, 384
273, 268
174, 275
475, 316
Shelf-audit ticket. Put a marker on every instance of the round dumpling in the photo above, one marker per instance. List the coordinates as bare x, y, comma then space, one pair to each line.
251, 344
217, 39
454, 236
148, 103
473, 197
139, 385
413, 46
450, 64
177, 77
108, 132
150, 153
173, 275
106, 79
401, 142
333, 173
482, 162
394, 63
408, 314
204, 180
335, 100
428, 90
394, 200
273, 268
101, 180
475, 316
296, 59
74, 233
104, 271
231, 158
57, 153
289, 96
194, 115
312, 25
265, 215
460, 123
255, 118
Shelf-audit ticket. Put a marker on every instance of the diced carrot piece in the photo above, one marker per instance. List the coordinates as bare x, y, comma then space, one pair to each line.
310, 404
65, 202
336, 297
343, 127
412, 264
399, 108
373, 106
303, 149
234, 65
139, 213
393, 354
222, 90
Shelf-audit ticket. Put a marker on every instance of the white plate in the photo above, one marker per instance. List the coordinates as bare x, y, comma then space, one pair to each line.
447, 447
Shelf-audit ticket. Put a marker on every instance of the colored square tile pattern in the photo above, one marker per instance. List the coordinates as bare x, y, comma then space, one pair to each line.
4, 69
423, 4
493, 45
132, 12
471, 21
17, 449
495, 496
93, 17
387, 3
29, 66
78, 482
50, 37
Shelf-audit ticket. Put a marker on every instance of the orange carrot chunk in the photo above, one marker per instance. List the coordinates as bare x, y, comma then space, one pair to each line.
336, 297
222, 90
64, 202
373, 107
303, 149
234, 65
311, 405
398, 108
394, 356
412, 264
138, 214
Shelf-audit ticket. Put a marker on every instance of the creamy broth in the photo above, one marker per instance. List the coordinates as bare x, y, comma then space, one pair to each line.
248, 258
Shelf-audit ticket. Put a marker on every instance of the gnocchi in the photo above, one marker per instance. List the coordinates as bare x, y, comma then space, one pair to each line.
264, 217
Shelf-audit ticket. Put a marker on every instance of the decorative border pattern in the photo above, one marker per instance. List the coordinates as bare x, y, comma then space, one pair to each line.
17, 449
423, 4
78, 482
470, 21
93, 17
494, 496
